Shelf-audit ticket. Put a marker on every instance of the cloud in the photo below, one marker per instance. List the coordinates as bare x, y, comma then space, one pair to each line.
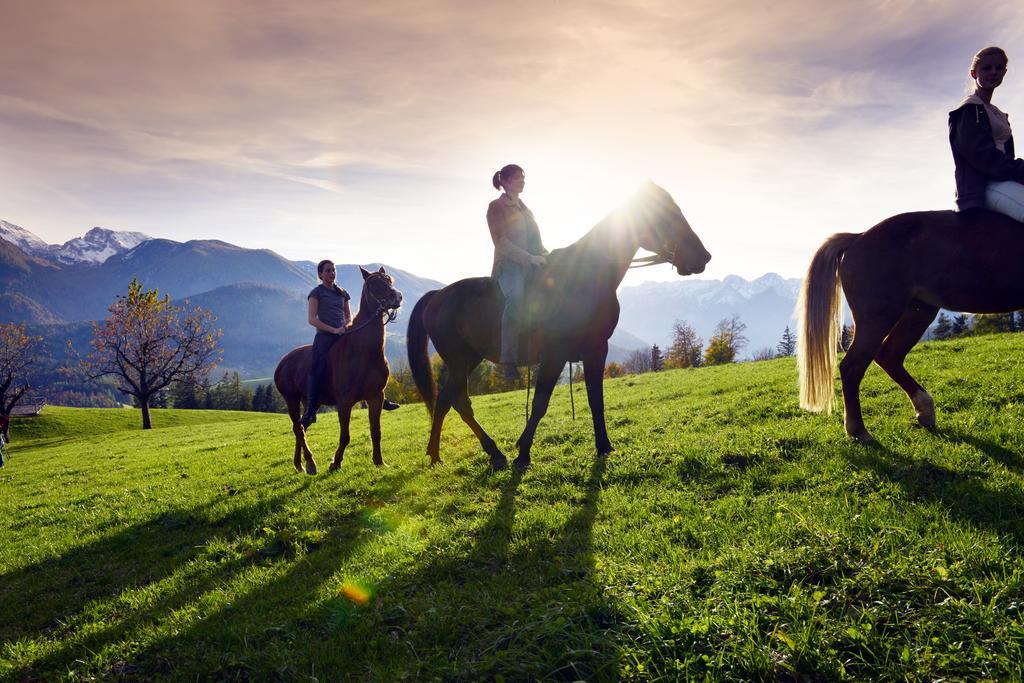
353, 114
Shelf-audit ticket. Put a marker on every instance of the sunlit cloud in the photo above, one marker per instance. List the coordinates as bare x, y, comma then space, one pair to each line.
368, 131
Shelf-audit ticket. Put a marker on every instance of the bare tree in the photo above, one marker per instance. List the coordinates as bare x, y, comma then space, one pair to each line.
146, 344
763, 353
727, 341
638, 362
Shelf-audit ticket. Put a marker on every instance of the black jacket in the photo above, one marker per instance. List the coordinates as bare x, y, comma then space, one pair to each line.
977, 159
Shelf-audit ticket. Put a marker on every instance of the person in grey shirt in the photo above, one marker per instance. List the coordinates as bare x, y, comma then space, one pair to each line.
330, 314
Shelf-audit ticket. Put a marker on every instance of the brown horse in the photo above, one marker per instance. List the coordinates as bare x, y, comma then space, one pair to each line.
571, 311
356, 369
896, 277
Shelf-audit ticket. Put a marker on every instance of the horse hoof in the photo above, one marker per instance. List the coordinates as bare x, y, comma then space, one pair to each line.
298, 468
335, 466
379, 463
926, 421
521, 463
863, 438
311, 469
498, 464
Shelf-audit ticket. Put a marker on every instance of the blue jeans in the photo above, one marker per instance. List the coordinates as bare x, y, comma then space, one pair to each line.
512, 281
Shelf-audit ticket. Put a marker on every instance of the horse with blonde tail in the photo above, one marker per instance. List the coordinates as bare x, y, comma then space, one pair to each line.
896, 277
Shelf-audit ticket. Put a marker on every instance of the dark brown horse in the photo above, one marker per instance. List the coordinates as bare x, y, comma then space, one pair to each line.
571, 311
896, 277
356, 370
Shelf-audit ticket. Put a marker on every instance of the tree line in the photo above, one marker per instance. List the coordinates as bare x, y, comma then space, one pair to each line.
158, 354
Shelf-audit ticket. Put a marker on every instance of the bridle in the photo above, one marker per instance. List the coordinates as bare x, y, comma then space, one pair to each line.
382, 308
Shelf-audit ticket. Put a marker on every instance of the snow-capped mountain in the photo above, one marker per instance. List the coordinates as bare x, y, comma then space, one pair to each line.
764, 304
98, 245
95, 247
23, 239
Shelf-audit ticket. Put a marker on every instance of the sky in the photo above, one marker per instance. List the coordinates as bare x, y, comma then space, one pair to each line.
369, 132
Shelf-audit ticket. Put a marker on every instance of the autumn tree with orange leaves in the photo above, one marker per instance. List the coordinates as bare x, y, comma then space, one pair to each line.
146, 344
18, 352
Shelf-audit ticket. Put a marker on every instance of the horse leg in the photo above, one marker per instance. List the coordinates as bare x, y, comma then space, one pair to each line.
441, 408
897, 345
300, 434
464, 407
867, 339
547, 376
593, 375
344, 415
375, 405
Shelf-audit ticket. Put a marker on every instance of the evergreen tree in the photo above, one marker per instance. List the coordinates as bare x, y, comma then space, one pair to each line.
961, 325
846, 338
259, 399
657, 360
787, 345
943, 327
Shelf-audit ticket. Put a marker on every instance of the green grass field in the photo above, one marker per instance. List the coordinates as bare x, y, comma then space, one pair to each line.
729, 536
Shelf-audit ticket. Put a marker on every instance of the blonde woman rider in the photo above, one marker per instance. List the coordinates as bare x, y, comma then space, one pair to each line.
988, 175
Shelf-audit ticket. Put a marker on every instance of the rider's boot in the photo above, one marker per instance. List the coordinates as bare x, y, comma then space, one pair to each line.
312, 392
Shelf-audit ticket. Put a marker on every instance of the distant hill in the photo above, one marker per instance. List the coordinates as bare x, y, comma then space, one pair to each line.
259, 296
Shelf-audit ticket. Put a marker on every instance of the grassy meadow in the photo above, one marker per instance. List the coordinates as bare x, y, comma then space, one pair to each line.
729, 536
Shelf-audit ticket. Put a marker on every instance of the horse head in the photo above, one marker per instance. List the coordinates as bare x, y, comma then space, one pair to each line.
662, 229
379, 293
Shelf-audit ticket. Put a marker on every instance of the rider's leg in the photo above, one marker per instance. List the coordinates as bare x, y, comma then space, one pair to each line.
322, 343
511, 282
1006, 197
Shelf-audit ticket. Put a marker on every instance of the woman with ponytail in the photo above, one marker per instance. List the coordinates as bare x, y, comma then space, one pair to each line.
517, 250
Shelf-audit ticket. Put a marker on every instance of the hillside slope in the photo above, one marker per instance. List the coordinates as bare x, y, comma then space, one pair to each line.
729, 536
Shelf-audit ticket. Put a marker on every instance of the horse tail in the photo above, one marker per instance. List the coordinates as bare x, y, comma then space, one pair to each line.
416, 339
820, 321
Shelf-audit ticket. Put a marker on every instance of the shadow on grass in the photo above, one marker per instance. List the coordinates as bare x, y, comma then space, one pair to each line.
42, 596
78, 598
965, 495
522, 604
1008, 458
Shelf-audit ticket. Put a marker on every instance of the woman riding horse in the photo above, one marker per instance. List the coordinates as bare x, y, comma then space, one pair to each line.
574, 310
330, 315
988, 176
518, 250
897, 275
355, 369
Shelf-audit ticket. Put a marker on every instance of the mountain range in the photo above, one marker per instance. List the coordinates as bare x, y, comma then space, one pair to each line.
259, 296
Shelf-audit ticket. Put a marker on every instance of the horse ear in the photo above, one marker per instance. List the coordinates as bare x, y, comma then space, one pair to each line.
381, 271
365, 272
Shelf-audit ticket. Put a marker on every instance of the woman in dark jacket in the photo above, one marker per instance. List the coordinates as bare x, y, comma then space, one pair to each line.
988, 176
